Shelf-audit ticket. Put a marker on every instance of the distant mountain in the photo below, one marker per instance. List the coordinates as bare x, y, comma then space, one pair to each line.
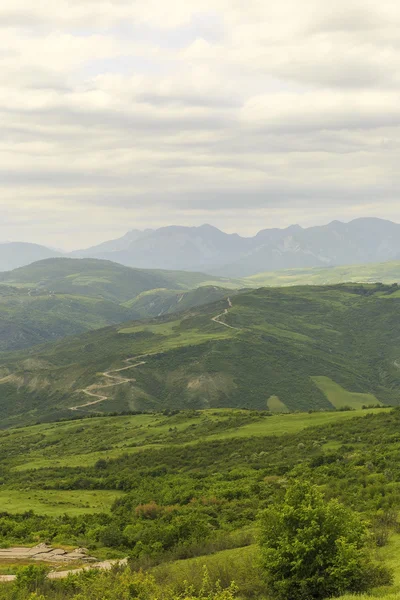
183, 248
208, 249
19, 254
118, 245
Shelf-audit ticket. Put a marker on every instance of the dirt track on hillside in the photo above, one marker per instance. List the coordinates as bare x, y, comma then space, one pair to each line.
109, 374
92, 390
217, 319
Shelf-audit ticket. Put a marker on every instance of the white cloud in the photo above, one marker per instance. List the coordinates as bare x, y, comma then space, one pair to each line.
156, 113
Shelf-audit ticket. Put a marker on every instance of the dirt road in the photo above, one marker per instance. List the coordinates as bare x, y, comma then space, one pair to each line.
217, 319
109, 374
93, 390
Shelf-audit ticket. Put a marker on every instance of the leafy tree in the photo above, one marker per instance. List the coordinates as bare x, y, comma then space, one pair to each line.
313, 549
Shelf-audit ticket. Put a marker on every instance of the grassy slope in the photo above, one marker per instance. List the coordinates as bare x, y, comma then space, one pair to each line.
283, 338
158, 302
101, 278
256, 463
81, 443
54, 298
388, 272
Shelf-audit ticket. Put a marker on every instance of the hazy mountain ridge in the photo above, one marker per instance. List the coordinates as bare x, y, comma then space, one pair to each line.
19, 254
207, 249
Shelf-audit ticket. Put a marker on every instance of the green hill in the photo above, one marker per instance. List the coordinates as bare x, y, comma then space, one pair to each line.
387, 272
155, 303
58, 297
102, 279
310, 348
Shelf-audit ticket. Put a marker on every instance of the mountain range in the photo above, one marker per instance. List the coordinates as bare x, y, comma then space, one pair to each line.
207, 249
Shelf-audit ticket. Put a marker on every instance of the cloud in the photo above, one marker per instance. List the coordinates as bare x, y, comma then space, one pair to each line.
119, 112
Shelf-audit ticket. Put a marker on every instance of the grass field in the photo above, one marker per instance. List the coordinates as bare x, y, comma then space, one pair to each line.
59, 297
59, 502
340, 398
276, 406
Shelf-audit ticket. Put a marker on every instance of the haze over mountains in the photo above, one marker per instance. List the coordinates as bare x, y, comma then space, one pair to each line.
207, 249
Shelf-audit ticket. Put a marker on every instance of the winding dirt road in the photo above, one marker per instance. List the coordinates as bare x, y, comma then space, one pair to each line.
109, 374
93, 390
217, 319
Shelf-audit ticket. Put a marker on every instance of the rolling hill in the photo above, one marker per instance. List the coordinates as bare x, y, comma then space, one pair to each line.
387, 272
314, 348
58, 297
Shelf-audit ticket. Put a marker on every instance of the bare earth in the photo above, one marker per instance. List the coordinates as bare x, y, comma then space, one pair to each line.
55, 556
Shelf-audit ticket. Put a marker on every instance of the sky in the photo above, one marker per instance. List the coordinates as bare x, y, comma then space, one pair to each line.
245, 114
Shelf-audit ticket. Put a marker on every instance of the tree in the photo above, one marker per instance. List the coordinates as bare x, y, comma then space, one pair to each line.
313, 549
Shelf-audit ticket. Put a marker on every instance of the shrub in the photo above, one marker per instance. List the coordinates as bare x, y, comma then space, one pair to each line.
313, 549
31, 578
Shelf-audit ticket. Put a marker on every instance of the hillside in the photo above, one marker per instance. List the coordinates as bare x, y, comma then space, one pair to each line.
58, 297
101, 279
388, 272
178, 492
210, 250
282, 349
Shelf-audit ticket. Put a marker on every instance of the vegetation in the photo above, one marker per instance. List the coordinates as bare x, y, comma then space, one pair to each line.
196, 487
387, 272
126, 585
57, 297
313, 348
315, 549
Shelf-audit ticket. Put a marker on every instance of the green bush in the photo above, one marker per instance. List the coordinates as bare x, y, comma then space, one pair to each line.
31, 578
313, 549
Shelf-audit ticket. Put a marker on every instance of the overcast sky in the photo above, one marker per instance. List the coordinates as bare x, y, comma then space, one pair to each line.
244, 114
